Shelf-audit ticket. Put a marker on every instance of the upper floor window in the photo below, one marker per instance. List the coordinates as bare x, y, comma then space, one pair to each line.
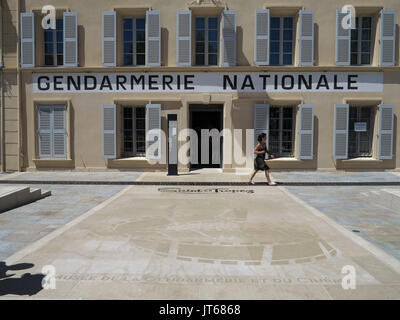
361, 41
206, 41
54, 45
281, 41
134, 37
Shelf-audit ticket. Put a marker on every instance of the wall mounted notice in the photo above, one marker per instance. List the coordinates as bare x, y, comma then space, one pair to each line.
207, 82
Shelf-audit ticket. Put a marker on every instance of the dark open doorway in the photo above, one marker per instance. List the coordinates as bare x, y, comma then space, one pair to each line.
206, 117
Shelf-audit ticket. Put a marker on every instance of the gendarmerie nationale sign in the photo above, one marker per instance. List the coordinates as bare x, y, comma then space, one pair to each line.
208, 82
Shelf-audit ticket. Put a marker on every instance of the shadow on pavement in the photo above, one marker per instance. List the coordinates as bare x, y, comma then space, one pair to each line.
27, 284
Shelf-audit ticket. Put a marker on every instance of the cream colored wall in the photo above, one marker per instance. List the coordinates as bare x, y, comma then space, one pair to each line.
85, 109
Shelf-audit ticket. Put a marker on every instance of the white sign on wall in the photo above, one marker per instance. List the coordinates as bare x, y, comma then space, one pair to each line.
360, 126
208, 82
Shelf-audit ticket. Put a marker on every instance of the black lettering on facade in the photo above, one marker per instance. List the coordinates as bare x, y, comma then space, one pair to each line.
121, 80
47, 83
303, 81
137, 81
247, 82
105, 83
350, 81
227, 79
58, 81
264, 77
187, 81
291, 82
76, 84
335, 83
323, 82
93, 85
167, 80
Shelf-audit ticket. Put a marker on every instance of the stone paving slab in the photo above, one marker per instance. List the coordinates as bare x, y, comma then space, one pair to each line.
372, 211
208, 243
21, 226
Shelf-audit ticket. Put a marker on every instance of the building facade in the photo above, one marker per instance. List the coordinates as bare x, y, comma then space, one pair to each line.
90, 85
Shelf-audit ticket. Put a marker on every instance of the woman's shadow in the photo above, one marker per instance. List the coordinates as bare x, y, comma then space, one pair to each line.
27, 284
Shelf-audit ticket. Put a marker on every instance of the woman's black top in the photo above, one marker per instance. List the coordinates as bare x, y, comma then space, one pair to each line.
259, 161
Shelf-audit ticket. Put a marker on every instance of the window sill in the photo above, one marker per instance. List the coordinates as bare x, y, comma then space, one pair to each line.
52, 162
362, 159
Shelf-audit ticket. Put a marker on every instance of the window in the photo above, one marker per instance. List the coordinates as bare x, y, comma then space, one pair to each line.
51, 131
206, 38
54, 45
360, 131
134, 37
281, 131
281, 41
134, 126
361, 41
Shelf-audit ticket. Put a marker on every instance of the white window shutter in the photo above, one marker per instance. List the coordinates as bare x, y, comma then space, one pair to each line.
44, 131
306, 39
341, 131
153, 131
59, 132
306, 132
261, 120
261, 41
385, 144
153, 38
228, 38
109, 131
343, 39
109, 39
388, 38
70, 39
184, 38
27, 40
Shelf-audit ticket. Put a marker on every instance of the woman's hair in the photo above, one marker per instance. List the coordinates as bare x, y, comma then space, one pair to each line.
261, 136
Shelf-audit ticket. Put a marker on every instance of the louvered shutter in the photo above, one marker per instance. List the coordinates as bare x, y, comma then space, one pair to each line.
385, 144
70, 39
184, 38
153, 131
388, 37
153, 38
44, 131
306, 132
343, 38
110, 38
261, 41
27, 40
306, 39
109, 131
59, 134
261, 120
229, 38
341, 131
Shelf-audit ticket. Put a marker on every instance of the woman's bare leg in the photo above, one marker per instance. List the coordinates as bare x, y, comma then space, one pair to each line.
252, 176
267, 175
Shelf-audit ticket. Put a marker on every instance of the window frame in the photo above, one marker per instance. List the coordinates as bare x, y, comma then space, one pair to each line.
54, 43
280, 153
360, 41
134, 41
281, 40
206, 29
133, 153
370, 131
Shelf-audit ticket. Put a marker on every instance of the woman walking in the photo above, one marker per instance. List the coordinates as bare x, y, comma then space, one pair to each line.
259, 162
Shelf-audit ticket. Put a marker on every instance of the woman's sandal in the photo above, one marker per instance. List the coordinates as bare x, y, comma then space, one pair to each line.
272, 183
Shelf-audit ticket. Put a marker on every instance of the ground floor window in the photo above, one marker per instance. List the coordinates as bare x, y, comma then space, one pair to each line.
133, 131
360, 131
51, 131
281, 131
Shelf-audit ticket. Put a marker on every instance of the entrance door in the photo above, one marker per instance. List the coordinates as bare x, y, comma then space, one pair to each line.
206, 117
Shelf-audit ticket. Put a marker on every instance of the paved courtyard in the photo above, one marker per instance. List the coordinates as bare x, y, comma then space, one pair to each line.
188, 242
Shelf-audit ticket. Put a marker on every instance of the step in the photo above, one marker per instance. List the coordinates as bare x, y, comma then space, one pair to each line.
12, 196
